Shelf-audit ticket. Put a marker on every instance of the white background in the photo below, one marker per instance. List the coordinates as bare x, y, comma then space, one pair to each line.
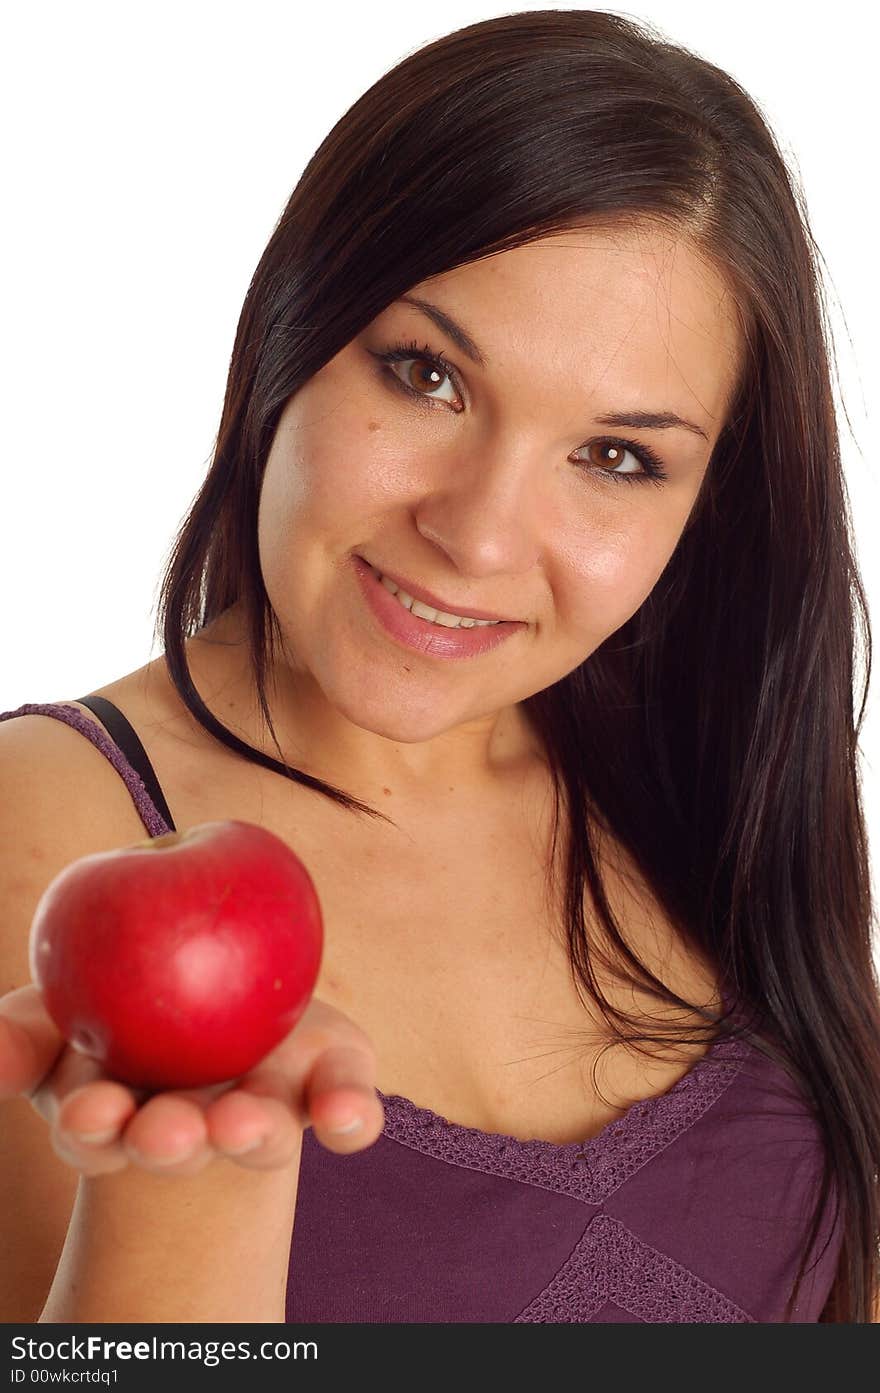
150, 150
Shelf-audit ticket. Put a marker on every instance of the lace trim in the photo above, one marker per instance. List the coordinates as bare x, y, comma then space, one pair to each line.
590, 1170
611, 1264
152, 819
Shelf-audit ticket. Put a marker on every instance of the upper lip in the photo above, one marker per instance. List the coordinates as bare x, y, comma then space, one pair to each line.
418, 592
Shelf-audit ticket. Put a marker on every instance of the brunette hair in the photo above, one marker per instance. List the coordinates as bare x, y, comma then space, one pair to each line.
714, 733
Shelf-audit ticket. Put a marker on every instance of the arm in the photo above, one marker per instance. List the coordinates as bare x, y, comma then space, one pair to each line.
101, 1232
147, 1248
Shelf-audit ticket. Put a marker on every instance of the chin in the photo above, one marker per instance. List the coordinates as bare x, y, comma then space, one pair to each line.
399, 717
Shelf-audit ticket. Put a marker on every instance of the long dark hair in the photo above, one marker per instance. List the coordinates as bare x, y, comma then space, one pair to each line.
713, 735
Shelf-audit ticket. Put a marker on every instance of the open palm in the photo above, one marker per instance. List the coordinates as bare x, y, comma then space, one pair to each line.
321, 1074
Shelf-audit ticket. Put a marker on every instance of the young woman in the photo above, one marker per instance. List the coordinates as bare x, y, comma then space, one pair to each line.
519, 599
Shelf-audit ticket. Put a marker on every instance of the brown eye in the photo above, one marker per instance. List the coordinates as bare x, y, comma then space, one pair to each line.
424, 376
610, 457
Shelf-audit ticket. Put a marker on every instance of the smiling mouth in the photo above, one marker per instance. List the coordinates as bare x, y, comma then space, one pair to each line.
426, 606
440, 618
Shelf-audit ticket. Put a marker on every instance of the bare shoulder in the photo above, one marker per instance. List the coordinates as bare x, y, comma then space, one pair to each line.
53, 779
60, 799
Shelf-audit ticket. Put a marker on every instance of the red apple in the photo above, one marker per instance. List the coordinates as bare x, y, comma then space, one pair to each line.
180, 961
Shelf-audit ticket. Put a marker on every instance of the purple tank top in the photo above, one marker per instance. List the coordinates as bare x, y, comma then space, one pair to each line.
693, 1207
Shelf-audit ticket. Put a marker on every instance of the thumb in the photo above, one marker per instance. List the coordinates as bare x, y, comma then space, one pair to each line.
30, 1042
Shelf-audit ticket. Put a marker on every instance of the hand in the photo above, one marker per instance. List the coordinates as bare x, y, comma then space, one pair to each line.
321, 1074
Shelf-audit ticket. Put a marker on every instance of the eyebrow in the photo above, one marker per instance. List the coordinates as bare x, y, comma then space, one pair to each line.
447, 325
650, 420
637, 420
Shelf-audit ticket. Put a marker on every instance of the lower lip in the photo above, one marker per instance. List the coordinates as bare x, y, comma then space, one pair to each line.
430, 639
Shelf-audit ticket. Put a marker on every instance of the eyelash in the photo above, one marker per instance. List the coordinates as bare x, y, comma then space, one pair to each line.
407, 352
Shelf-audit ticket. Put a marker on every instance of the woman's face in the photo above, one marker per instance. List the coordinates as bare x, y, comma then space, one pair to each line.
497, 488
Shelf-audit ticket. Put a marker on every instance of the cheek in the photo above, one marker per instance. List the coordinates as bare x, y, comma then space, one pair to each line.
310, 482
347, 466
613, 574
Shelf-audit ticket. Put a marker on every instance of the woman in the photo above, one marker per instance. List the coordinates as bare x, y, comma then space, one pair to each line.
523, 560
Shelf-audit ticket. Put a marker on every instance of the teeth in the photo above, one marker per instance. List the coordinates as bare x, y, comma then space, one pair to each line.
435, 616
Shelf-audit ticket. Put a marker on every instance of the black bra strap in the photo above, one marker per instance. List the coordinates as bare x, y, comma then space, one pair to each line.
123, 733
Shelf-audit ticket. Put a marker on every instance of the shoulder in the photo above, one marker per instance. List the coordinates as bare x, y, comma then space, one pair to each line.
60, 800
773, 1112
55, 782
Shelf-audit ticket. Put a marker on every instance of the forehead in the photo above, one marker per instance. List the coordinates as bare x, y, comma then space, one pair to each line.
633, 309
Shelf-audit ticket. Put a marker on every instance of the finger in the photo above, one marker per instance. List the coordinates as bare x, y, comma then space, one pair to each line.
30, 1042
100, 1109
110, 1151
88, 1158
341, 1100
257, 1131
87, 1131
92, 1120
330, 1063
168, 1130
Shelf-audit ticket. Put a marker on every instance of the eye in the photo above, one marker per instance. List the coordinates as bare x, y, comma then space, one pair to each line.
422, 372
651, 466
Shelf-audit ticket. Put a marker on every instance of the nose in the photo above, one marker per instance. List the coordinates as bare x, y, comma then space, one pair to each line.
481, 510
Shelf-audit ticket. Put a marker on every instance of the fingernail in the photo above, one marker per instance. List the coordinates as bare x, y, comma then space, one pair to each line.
94, 1138
342, 1128
244, 1147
